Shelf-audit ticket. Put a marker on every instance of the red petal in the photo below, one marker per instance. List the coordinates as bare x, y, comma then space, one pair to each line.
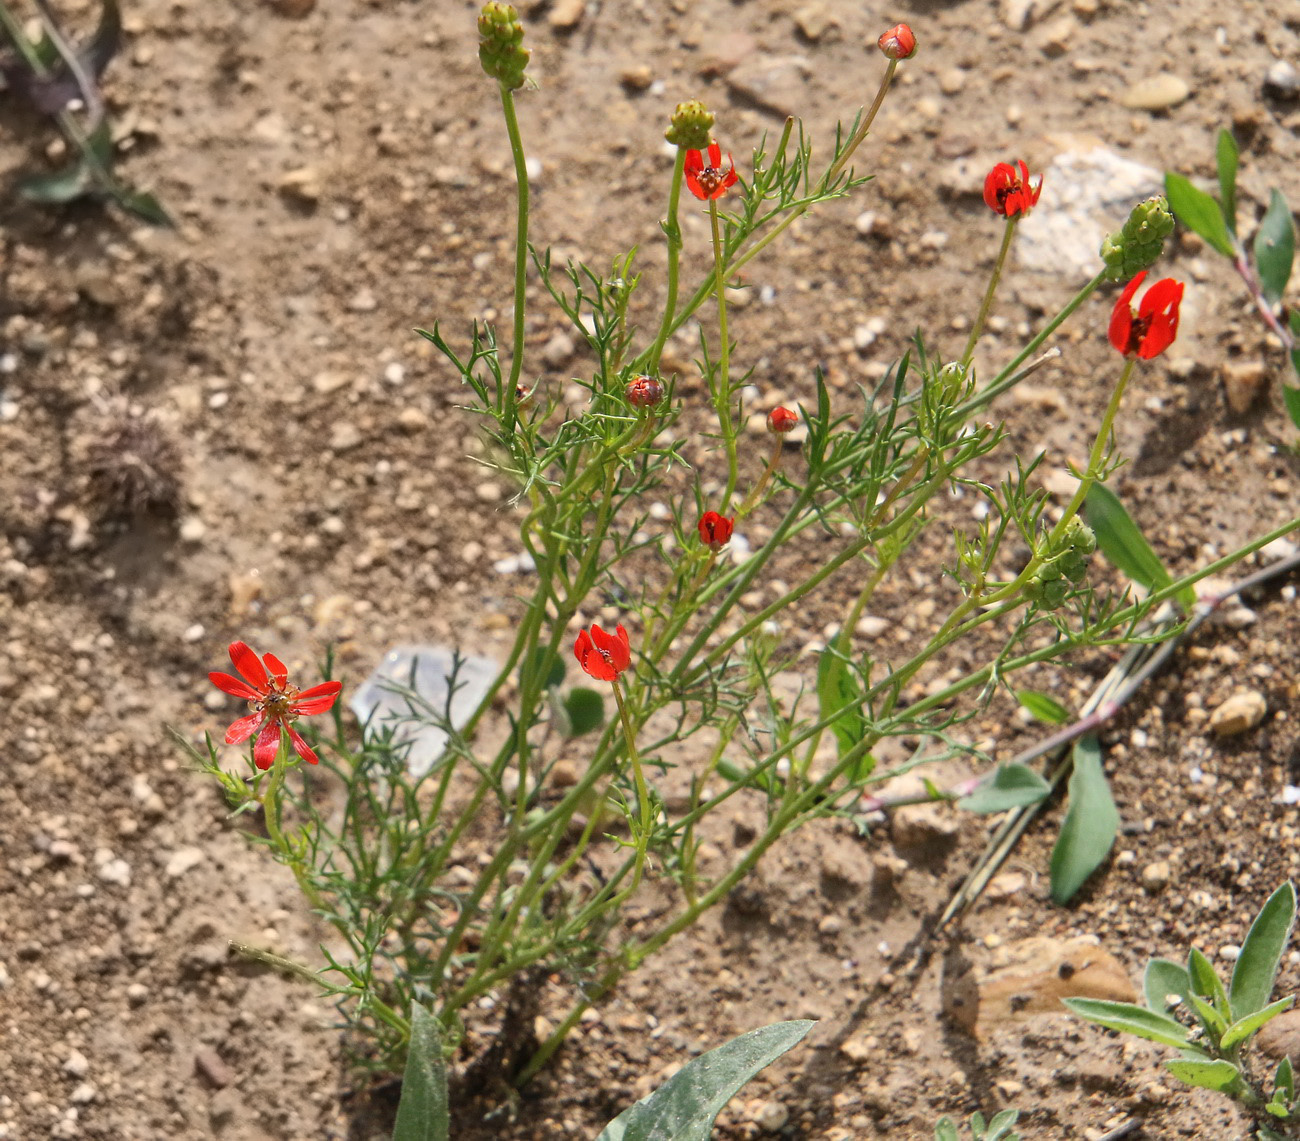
266, 745
1160, 304
694, 162
591, 660
233, 686
304, 750
278, 669
244, 728
715, 154
249, 665
1121, 317
994, 181
317, 699
615, 647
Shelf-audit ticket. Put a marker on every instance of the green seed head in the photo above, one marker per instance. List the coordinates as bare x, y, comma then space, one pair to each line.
690, 127
501, 48
1140, 241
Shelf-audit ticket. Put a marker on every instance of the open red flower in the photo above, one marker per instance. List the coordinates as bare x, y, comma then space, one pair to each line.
276, 704
709, 181
715, 530
1151, 328
782, 419
601, 654
1008, 190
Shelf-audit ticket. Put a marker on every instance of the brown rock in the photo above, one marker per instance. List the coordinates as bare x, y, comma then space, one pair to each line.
1030, 977
1240, 713
209, 1066
294, 9
1243, 381
1281, 1037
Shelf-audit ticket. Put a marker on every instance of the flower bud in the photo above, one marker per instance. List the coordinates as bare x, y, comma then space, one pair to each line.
501, 48
898, 43
644, 392
1140, 241
691, 125
715, 530
781, 420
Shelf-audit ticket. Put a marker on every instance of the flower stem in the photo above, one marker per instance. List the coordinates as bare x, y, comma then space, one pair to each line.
752, 499
642, 792
521, 247
722, 386
673, 232
978, 327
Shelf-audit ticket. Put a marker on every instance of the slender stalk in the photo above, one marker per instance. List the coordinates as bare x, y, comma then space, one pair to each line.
722, 385
976, 329
521, 249
642, 792
673, 232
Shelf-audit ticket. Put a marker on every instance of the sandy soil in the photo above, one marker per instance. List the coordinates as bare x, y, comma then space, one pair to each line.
343, 177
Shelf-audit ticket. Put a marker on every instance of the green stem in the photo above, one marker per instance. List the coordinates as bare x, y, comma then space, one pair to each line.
673, 232
521, 247
642, 792
722, 386
1007, 232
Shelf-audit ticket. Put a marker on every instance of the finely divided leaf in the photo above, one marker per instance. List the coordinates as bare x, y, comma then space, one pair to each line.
1090, 824
684, 1107
1252, 978
1199, 212
422, 1113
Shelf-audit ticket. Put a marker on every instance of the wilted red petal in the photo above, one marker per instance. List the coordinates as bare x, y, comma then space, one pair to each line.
233, 686
277, 669
249, 665
244, 728
304, 750
318, 699
266, 745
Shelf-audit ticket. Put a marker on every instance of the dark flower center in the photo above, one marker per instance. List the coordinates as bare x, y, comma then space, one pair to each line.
710, 178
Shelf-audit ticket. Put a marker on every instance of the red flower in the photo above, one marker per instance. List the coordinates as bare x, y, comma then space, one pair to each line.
715, 530
1010, 193
644, 392
709, 181
1151, 329
898, 43
601, 654
276, 703
782, 419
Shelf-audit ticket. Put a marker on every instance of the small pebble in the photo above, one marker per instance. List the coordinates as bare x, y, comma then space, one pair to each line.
1156, 876
1240, 713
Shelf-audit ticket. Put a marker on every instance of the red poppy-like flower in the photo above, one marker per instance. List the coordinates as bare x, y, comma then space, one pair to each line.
782, 419
1009, 192
601, 654
709, 181
898, 43
1151, 328
644, 392
276, 704
715, 530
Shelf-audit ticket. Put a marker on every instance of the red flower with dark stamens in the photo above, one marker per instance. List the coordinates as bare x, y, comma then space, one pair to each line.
781, 420
276, 703
1151, 328
601, 654
715, 530
897, 43
709, 181
1008, 192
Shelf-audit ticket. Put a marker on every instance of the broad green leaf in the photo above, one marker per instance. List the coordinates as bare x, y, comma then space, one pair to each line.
144, 206
684, 1107
66, 185
1252, 977
1284, 1083
1243, 1028
836, 689
1211, 1018
1012, 786
945, 1130
1131, 1019
1206, 982
1294, 321
1290, 395
1000, 1127
1199, 212
1275, 247
106, 41
1122, 542
422, 1113
1090, 824
585, 709
1216, 1075
1226, 155
1046, 709
1164, 978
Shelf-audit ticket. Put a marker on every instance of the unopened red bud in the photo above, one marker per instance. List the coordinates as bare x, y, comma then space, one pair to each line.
644, 392
782, 420
898, 43
523, 396
715, 530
